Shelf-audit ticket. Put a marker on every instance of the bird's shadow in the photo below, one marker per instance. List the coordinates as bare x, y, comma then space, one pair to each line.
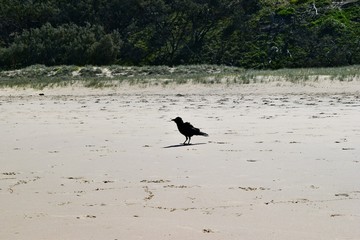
182, 145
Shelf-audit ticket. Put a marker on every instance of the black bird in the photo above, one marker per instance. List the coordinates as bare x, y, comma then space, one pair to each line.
187, 129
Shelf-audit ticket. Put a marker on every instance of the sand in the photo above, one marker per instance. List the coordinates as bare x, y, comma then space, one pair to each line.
282, 161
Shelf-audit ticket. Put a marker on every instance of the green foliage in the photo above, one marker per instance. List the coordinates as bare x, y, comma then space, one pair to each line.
66, 44
285, 12
322, 3
104, 52
251, 34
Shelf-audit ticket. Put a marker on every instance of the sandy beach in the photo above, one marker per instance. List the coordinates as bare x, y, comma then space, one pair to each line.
282, 162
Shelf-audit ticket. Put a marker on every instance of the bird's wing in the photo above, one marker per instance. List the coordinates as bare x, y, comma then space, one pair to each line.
189, 126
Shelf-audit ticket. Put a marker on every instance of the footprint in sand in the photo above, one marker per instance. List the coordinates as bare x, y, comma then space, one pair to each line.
342, 195
207, 230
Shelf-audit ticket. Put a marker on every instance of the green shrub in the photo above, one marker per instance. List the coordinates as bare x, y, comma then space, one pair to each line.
67, 44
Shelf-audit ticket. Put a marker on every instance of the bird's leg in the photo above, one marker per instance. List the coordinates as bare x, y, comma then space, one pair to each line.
185, 140
189, 141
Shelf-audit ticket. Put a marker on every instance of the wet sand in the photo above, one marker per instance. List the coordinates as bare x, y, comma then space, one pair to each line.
281, 162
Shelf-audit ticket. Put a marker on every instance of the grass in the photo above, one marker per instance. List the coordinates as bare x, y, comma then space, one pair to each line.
39, 76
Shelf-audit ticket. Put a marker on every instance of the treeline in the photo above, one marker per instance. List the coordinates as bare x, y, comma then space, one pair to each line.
250, 34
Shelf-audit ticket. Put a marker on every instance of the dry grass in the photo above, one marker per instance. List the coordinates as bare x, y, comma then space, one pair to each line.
39, 76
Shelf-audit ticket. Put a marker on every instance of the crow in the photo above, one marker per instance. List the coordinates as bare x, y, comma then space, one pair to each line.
187, 129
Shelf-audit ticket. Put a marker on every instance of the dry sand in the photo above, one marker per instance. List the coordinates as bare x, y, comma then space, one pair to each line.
282, 162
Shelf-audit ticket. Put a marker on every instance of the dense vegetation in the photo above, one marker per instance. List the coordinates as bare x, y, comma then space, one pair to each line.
250, 34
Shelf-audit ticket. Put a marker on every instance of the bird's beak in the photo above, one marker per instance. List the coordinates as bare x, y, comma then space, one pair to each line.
172, 120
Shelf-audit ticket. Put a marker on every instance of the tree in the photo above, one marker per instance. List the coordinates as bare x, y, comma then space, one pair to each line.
104, 52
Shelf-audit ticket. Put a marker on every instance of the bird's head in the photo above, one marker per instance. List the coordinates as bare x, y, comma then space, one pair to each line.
177, 120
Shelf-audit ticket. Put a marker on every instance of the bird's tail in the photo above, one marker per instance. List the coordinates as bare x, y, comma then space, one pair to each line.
203, 134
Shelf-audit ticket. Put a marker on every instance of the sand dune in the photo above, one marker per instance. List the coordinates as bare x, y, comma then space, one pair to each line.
281, 162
